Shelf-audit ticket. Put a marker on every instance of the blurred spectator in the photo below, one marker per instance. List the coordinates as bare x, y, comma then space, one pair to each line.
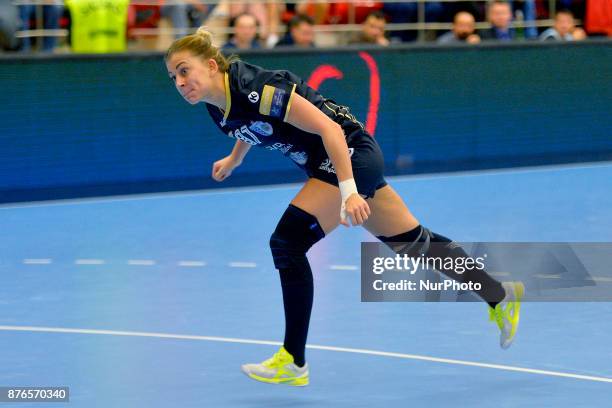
372, 30
245, 33
599, 17
9, 24
524, 10
499, 14
51, 17
564, 28
300, 32
401, 13
464, 30
98, 26
267, 15
189, 14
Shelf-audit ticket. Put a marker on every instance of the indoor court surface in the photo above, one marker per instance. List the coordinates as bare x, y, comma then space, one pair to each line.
156, 301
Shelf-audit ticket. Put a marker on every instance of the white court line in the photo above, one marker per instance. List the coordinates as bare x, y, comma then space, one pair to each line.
89, 262
290, 186
141, 262
538, 275
343, 267
600, 279
242, 265
191, 263
310, 346
45, 261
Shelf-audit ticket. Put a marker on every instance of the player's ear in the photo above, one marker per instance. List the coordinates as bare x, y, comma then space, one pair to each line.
213, 66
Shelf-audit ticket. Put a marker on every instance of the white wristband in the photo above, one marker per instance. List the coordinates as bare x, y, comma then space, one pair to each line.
347, 187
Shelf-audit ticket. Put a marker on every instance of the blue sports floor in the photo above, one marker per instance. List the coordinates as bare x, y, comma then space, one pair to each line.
155, 301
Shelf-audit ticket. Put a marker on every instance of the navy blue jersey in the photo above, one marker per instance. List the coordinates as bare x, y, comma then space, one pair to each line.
258, 103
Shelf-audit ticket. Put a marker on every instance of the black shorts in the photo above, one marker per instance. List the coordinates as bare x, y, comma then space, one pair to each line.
366, 159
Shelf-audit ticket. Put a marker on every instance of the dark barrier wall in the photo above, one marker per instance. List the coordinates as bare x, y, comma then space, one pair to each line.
93, 126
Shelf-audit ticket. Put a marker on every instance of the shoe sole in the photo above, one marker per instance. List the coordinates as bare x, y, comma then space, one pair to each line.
294, 382
519, 291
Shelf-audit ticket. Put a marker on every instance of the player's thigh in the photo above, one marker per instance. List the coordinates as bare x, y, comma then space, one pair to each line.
322, 200
389, 214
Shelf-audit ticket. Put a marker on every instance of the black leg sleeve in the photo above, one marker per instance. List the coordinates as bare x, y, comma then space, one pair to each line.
422, 241
295, 233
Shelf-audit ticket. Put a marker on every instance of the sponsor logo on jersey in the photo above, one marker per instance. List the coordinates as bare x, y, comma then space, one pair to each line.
245, 135
299, 157
284, 148
329, 167
253, 97
273, 100
262, 128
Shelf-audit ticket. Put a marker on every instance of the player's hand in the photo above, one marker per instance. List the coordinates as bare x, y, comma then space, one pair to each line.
223, 168
356, 209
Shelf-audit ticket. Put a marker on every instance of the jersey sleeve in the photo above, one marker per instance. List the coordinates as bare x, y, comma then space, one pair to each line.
267, 92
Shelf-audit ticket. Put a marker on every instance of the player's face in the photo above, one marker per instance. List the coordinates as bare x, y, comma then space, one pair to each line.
192, 76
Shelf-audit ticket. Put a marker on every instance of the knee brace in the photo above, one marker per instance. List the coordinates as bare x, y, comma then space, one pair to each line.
412, 243
295, 233
422, 241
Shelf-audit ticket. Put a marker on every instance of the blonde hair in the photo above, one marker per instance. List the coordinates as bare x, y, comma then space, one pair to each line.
200, 45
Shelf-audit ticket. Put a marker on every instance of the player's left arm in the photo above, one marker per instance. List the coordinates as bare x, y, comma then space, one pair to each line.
307, 117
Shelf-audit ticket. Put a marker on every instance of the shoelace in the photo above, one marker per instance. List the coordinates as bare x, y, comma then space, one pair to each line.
275, 360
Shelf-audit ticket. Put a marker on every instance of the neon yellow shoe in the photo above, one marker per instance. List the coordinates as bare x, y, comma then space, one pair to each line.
506, 313
280, 369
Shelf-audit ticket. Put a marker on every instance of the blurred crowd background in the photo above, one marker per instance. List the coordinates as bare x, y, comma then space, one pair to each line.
110, 26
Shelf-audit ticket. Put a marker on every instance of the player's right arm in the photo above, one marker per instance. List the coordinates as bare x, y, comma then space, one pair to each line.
223, 168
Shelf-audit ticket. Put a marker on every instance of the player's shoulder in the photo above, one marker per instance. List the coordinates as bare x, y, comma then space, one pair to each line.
259, 90
241, 71
245, 76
